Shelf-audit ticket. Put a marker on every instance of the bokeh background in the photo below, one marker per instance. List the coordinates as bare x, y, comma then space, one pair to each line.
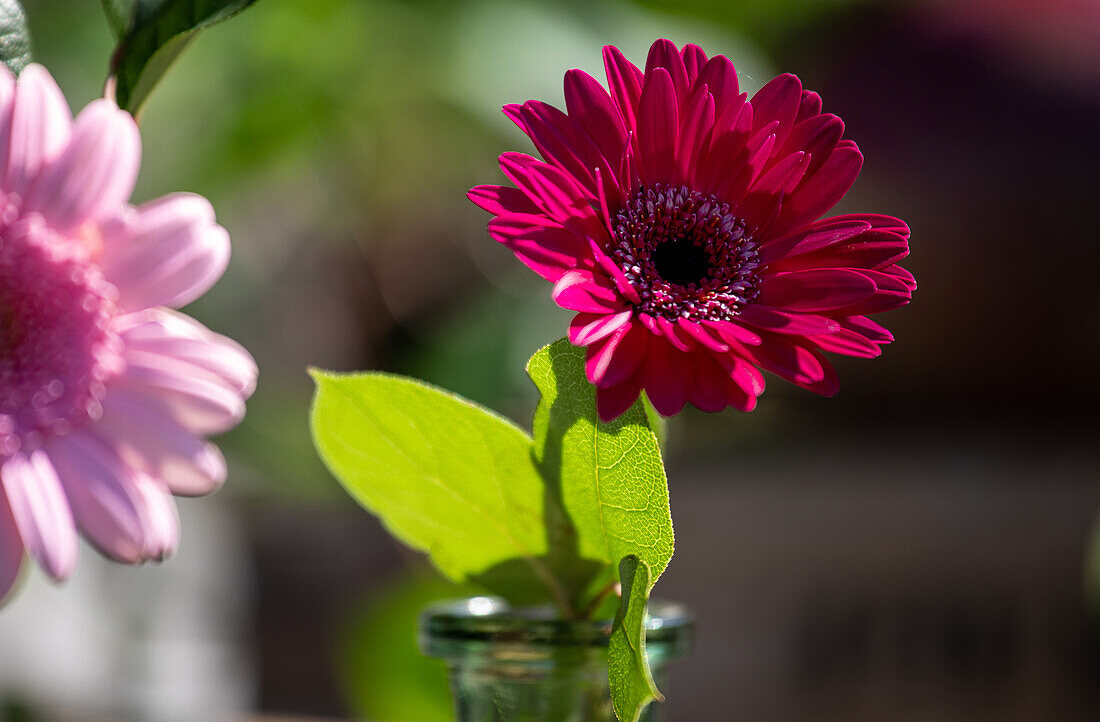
917, 548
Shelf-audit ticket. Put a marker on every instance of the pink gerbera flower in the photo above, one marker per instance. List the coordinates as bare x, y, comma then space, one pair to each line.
679, 219
105, 393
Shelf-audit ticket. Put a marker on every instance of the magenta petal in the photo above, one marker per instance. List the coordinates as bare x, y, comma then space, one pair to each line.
824, 233
817, 136
612, 401
625, 82
709, 384
796, 363
821, 191
698, 123
541, 244
721, 77
501, 199
582, 291
666, 377
41, 511
592, 109
658, 127
587, 328
663, 54
816, 290
567, 146
733, 333
694, 61
614, 360
867, 328
11, 546
779, 100
848, 343
781, 321
701, 335
554, 192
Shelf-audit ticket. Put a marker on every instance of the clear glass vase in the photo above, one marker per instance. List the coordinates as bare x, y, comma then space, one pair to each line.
526, 665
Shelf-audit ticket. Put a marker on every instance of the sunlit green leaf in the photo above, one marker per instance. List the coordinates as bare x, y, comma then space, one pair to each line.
632, 686
15, 38
609, 476
156, 32
445, 476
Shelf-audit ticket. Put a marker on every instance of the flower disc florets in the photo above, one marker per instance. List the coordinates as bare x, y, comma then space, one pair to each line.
57, 346
686, 254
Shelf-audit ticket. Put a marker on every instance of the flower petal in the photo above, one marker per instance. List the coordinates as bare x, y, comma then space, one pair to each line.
625, 82
663, 54
151, 440
778, 101
11, 546
175, 335
200, 401
541, 244
612, 401
658, 127
41, 511
167, 252
615, 359
588, 328
579, 290
782, 321
816, 290
94, 175
34, 127
821, 191
100, 490
666, 376
501, 199
592, 109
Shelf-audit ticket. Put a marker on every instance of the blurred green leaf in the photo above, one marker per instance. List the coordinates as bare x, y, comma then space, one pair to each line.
15, 38
383, 674
629, 676
119, 13
611, 477
156, 32
445, 476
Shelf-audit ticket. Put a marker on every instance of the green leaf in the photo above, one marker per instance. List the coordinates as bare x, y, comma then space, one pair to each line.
632, 686
15, 38
119, 13
153, 33
607, 477
445, 476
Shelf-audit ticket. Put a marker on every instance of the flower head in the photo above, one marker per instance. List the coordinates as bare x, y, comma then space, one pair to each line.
105, 393
680, 220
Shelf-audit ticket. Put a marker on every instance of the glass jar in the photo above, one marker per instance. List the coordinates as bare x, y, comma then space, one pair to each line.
527, 665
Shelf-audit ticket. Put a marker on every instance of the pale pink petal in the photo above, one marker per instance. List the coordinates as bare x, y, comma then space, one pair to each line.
174, 335
101, 490
149, 437
94, 175
198, 399
34, 127
162, 531
11, 548
167, 252
41, 511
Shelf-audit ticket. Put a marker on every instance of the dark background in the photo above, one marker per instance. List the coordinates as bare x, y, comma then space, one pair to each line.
915, 548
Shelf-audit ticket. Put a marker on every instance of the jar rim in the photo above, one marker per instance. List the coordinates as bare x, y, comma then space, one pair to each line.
492, 619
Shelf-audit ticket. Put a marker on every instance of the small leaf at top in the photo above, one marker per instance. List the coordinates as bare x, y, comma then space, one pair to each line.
607, 478
119, 13
444, 475
156, 32
15, 37
629, 676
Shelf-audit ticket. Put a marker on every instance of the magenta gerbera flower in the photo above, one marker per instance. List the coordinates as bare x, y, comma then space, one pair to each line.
679, 219
106, 394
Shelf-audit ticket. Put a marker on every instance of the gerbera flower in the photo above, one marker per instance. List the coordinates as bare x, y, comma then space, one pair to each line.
105, 393
679, 219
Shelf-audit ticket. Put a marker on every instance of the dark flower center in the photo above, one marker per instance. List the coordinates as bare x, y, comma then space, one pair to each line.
681, 261
686, 254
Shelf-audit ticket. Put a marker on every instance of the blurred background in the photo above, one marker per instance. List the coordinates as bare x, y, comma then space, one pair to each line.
919, 547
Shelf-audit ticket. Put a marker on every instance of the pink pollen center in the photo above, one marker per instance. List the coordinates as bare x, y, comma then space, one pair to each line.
57, 347
686, 254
